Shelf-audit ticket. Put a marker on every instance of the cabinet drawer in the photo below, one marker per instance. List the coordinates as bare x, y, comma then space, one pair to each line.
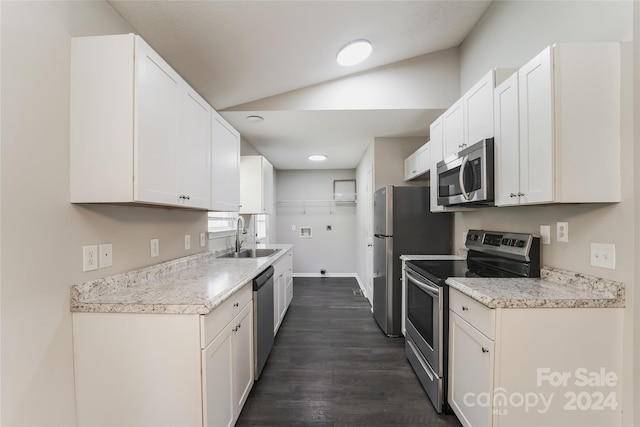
479, 316
213, 323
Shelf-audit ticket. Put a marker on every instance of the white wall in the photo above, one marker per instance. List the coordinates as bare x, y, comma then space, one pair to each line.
42, 233
635, 401
332, 250
510, 33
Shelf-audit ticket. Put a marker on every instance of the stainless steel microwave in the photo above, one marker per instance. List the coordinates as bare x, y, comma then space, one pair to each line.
467, 177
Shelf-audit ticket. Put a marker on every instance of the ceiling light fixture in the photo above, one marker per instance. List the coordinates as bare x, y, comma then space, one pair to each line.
317, 157
255, 118
354, 52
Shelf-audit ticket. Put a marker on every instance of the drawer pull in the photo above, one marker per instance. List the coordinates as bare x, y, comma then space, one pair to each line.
465, 308
236, 304
485, 350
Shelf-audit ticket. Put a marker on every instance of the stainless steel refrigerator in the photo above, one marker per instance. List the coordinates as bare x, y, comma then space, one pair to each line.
402, 225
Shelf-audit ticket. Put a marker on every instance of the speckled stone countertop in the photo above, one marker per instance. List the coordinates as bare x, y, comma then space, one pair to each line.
194, 284
554, 289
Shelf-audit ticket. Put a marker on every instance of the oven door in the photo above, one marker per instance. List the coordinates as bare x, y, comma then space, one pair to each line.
424, 322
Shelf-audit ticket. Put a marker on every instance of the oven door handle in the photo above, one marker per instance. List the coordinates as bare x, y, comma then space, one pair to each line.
434, 291
463, 190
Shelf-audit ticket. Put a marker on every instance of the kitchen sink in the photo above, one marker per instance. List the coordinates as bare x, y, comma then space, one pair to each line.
250, 253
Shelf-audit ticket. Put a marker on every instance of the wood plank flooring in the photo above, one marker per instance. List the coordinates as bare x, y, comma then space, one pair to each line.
332, 366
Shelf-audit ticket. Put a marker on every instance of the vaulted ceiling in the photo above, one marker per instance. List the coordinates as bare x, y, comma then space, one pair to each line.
276, 59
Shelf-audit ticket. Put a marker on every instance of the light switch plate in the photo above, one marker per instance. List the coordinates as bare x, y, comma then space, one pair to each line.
202, 240
187, 242
105, 252
545, 234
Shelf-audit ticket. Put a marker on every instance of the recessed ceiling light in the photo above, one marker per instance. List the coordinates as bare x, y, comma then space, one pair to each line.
317, 157
354, 52
255, 118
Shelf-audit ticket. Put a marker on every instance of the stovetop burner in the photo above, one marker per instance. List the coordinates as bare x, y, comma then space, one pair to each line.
491, 254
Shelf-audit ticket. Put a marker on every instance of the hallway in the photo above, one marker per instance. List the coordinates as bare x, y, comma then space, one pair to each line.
332, 366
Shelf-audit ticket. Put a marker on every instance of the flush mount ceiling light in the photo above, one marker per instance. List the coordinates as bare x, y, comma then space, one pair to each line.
255, 119
317, 157
354, 52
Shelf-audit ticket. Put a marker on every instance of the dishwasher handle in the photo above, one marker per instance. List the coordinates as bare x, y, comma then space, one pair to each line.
262, 278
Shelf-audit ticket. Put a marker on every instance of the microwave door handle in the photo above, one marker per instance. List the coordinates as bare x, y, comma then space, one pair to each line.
463, 190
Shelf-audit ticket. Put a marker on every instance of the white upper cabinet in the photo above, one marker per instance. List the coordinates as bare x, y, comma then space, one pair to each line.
470, 119
561, 120
256, 185
225, 166
453, 129
418, 163
435, 140
138, 132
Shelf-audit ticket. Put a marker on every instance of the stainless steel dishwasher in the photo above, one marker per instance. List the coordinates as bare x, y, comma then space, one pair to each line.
262, 318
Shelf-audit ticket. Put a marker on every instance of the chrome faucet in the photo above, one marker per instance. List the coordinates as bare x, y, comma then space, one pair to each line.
239, 228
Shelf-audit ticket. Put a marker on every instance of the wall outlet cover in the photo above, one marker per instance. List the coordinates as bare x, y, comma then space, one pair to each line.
154, 246
562, 231
203, 241
187, 242
603, 255
90, 258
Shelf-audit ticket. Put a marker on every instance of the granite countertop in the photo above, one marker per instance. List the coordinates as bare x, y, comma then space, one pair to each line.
554, 289
194, 284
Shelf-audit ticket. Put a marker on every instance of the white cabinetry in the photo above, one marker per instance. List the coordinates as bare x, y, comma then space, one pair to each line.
558, 127
418, 163
282, 288
500, 358
453, 129
164, 369
225, 165
138, 132
256, 185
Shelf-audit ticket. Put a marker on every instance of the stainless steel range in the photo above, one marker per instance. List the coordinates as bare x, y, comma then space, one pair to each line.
491, 254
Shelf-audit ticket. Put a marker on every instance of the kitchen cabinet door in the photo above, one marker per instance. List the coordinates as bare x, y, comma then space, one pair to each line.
410, 167
194, 151
217, 372
256, 185
242, 357
453, 129
507, 143
471, 362
225, 166
478, 110
537, 171
157, 111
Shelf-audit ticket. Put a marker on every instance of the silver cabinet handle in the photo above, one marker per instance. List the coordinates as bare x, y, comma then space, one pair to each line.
513, 195
236, 304
465, 308
520, 194
485, 350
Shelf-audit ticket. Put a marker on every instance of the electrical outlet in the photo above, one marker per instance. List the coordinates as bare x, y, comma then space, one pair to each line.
545, 234
155, 247
603, 255
187, 242
562, 231
202, 240
89, 258
105, 252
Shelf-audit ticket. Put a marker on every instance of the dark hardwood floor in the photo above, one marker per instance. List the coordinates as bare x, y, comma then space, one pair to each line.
332, 366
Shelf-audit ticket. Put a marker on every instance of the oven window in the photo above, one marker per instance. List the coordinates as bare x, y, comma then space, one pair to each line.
449, 183
420, 312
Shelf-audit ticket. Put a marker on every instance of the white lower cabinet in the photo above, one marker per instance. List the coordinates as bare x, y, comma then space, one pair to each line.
282, 288
534, 366
227, 371
164, 369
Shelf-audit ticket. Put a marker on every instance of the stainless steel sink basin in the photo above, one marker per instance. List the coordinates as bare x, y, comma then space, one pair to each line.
250, 253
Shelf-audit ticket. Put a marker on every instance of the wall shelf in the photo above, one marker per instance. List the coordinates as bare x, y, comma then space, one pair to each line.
307, 206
